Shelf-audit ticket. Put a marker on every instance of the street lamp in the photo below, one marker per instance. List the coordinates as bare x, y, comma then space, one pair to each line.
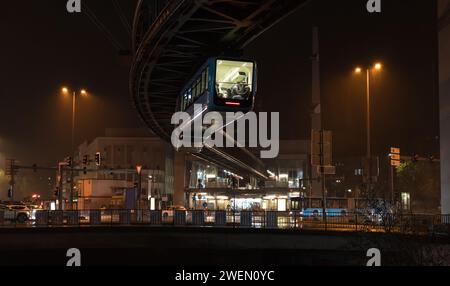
82, 92
376, 67
139, 172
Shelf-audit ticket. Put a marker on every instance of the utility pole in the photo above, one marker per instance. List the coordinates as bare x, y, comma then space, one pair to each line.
369, 149
322, 164
11, 172
316, 108
395, 161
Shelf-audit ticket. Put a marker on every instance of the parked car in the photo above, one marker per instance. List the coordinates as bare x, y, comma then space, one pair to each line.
16, 213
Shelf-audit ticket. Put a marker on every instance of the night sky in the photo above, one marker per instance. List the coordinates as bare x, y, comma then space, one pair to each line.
44, 47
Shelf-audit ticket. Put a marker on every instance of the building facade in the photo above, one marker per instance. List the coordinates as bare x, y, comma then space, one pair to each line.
444, 91
211, 187
115, 183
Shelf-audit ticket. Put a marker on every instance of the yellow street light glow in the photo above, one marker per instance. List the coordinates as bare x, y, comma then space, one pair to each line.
378, 66
83, 92
358, 70
65, 90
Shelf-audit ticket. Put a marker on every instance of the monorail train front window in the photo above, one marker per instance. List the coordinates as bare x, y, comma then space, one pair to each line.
234, 80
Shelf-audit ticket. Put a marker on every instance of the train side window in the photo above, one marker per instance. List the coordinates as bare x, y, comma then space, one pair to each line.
203, 82
194, 91
198, 87
189, 96
207, 79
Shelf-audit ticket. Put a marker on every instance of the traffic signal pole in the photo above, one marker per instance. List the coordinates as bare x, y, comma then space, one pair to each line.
323, 177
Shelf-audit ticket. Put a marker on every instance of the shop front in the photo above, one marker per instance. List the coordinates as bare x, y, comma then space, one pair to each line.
240, 200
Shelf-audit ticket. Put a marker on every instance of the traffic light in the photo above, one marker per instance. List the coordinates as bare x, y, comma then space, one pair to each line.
85, 160
98, 159
69, 161
85, 170
10, 193
56, 192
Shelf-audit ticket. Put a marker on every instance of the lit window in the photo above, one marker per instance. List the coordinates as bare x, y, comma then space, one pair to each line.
234, 80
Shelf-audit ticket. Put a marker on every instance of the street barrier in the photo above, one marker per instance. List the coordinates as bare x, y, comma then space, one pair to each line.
95, 217
272, 220
124, 217
220, 218
72, 218
246, 218
179, 218
155, 218
56, 218
411, 224
198, 218
42, 218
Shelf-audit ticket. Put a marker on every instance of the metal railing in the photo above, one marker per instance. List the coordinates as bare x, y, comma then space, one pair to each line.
345, 222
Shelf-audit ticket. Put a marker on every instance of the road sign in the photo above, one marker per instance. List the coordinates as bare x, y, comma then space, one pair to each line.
395, 157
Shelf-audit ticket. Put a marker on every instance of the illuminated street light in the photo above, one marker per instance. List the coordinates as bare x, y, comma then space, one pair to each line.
377, 67
82, 92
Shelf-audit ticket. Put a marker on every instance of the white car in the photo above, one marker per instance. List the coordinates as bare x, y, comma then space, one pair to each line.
16, 213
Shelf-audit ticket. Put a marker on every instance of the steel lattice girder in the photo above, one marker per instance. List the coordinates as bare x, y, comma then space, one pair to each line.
172, 38
181, 37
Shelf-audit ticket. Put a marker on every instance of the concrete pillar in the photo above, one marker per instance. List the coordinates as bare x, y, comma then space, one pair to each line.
180, 178
444, 94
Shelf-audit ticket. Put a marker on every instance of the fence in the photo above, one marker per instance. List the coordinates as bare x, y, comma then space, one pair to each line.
349, 222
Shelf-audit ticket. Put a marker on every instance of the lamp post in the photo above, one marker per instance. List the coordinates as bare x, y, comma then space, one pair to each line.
139, 172
82, 92
358, 70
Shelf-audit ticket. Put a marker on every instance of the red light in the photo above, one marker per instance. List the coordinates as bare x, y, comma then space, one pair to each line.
233, 103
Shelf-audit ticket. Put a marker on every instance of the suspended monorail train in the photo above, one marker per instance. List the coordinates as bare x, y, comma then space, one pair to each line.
221, 85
